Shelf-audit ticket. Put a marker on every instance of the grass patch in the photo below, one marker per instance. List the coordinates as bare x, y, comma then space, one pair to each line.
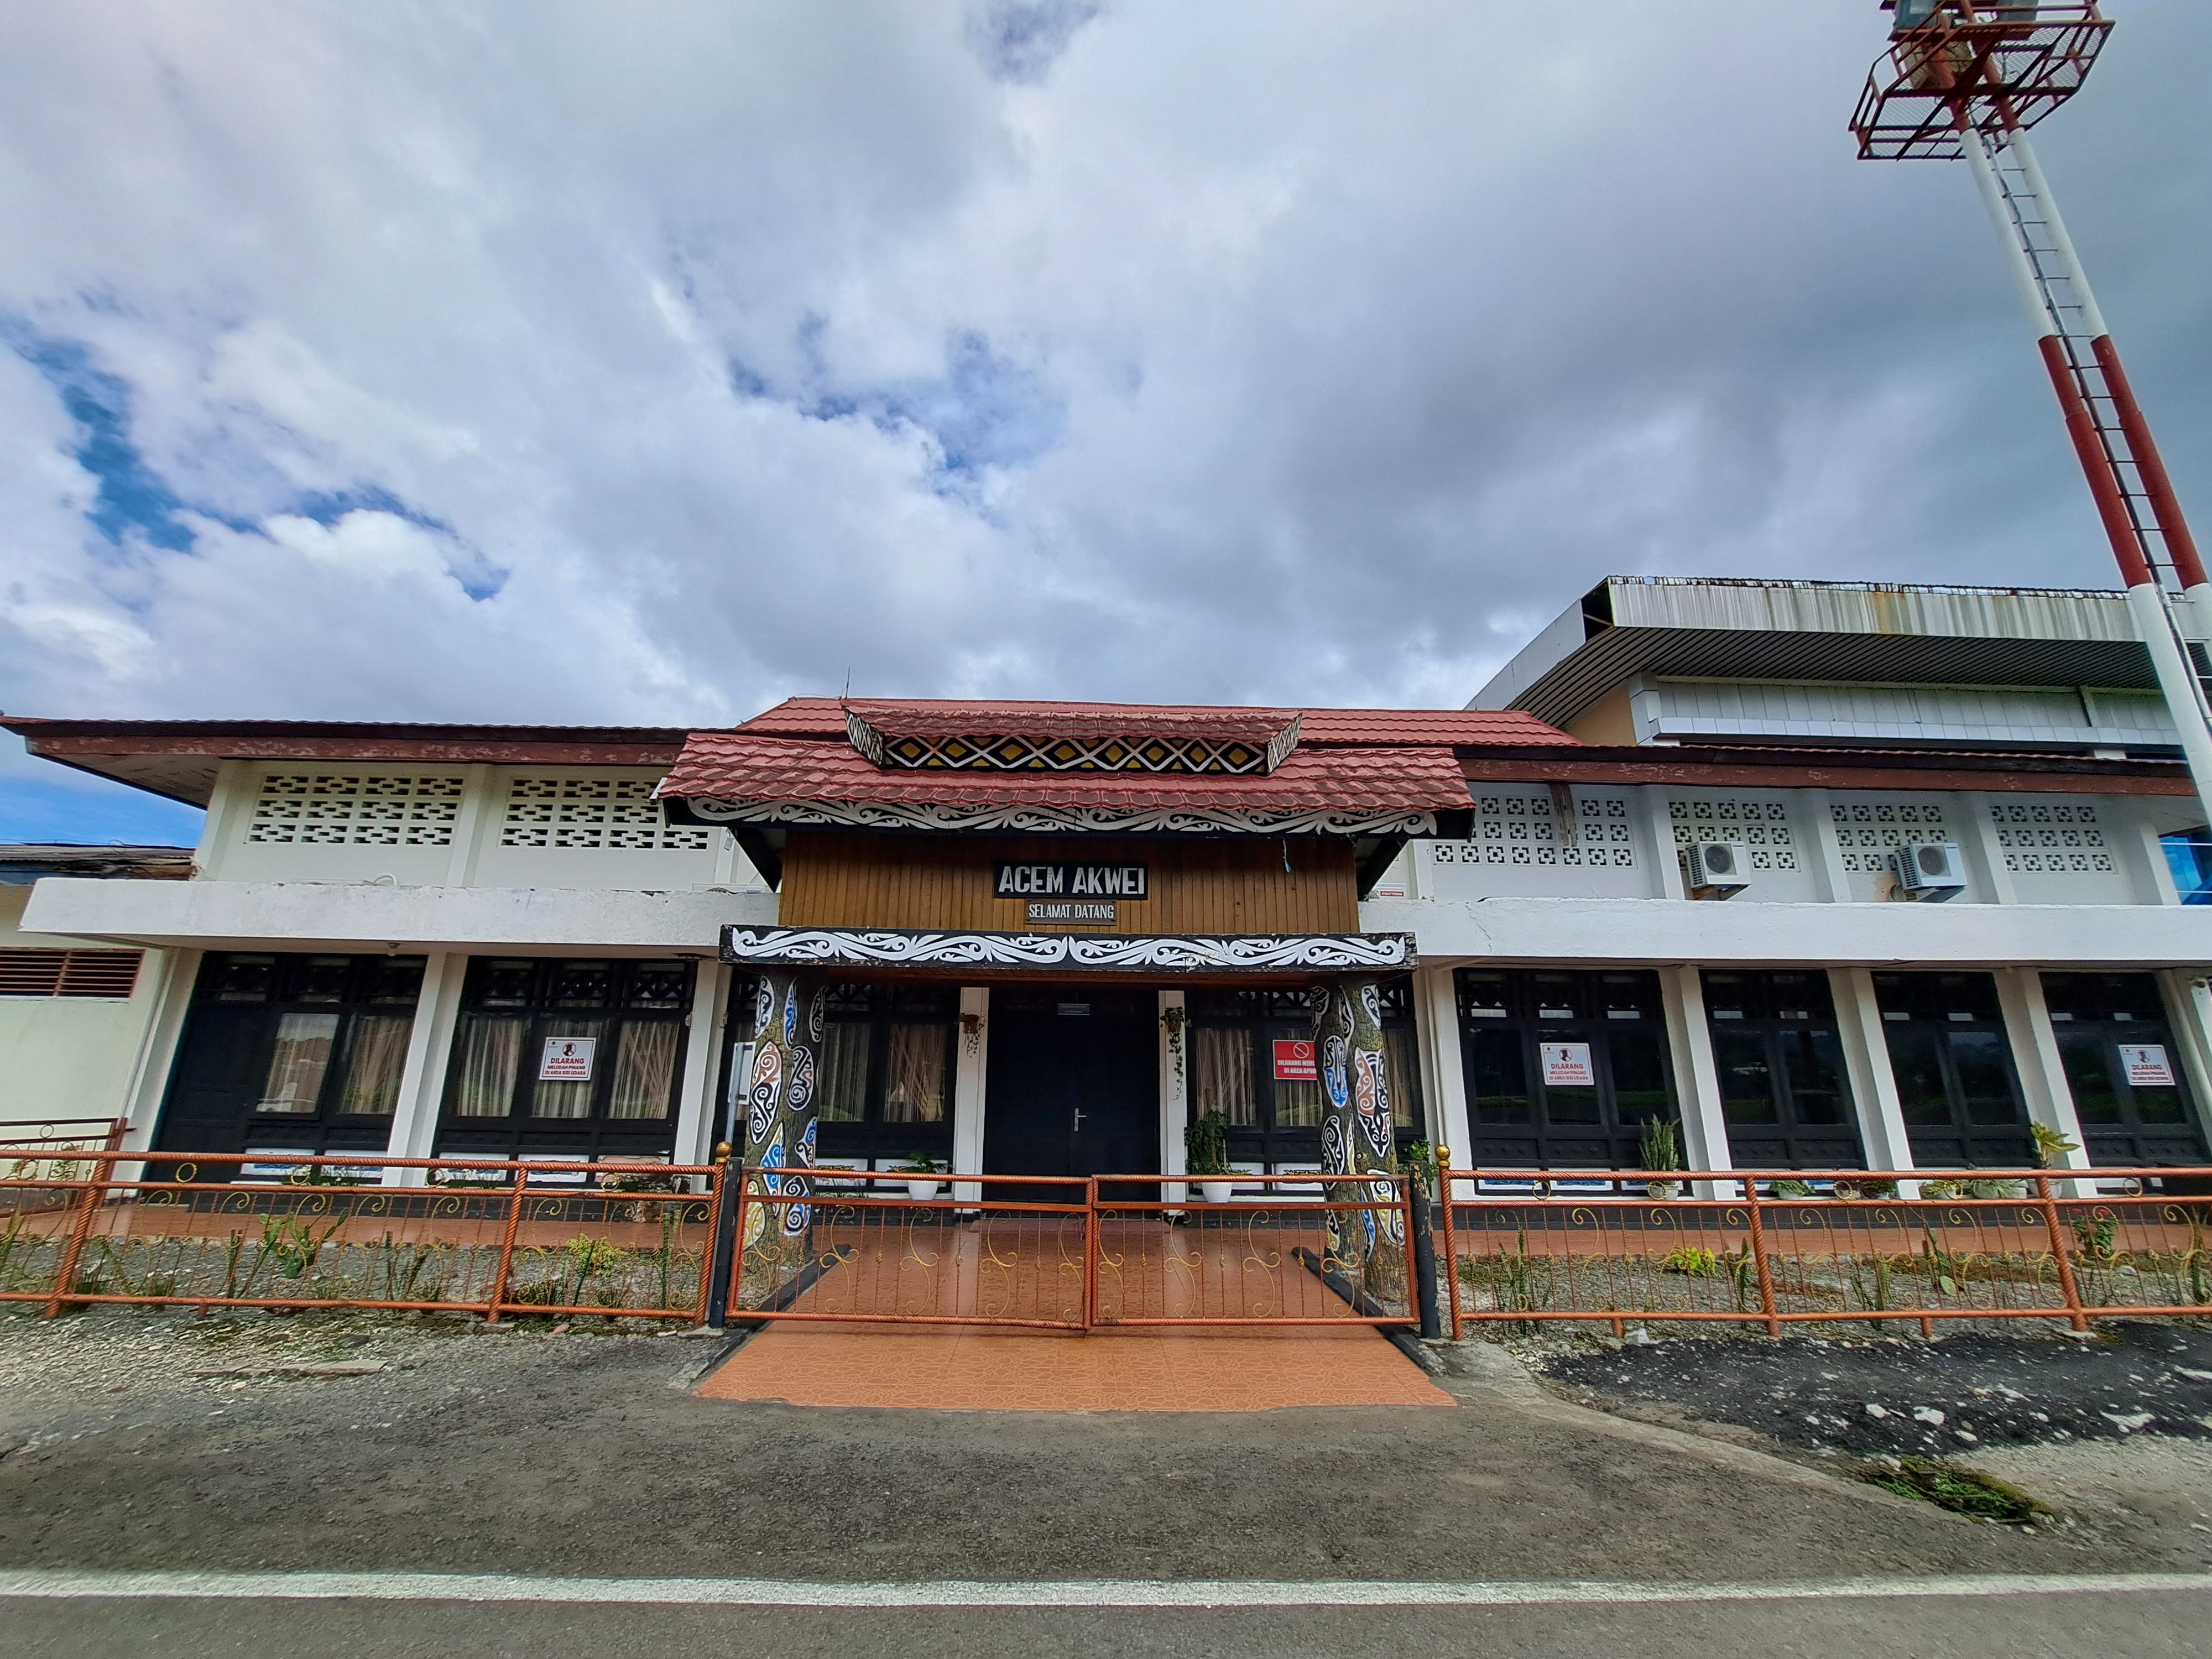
1963, 1491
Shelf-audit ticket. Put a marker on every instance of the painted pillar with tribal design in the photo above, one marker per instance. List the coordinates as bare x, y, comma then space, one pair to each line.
781, 1121
1366, 1246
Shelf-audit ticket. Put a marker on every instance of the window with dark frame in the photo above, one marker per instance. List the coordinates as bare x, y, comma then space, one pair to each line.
884, 1079
299, 1053
1780, 1062
1605, 1030
1951, 1056
1274, 1120
582, 1054
2114, 1042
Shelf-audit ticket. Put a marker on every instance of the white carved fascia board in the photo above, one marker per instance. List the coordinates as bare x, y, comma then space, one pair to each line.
1030, 820
904, 947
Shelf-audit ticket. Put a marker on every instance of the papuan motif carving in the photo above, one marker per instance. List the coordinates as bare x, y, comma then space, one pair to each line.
1368, 1244
781, 1118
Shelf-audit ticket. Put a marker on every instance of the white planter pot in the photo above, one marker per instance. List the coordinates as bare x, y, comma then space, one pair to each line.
922, 1191
1663, 1188
1217, 1192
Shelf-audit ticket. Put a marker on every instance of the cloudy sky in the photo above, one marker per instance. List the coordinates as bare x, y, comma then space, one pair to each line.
543, 362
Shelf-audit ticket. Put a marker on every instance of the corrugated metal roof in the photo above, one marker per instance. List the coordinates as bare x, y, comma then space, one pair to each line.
825, 717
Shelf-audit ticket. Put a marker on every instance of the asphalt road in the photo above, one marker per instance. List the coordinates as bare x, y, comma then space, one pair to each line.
536, 1454
2133, 1626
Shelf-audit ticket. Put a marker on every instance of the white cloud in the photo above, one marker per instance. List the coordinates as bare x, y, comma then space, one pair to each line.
561, 361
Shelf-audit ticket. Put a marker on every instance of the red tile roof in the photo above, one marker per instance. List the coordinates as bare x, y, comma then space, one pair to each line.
825, 717
739, 766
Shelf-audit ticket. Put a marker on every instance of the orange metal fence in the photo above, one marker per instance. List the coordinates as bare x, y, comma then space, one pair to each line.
1846, 1246
493, 1237
1299, 1252
1068, 1253
827, 1244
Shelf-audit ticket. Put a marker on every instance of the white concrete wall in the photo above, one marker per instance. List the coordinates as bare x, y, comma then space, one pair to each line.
1651, 932
72, 1056
335, 916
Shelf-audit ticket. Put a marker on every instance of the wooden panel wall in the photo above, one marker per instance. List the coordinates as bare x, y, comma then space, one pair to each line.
832, 879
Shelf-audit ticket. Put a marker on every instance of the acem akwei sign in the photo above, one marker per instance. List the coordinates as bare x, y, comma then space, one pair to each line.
1068, 881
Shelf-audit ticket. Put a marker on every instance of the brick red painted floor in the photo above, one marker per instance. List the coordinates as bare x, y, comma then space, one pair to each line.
967, 1369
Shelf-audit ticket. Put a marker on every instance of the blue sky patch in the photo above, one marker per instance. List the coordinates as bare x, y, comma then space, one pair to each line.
132, 495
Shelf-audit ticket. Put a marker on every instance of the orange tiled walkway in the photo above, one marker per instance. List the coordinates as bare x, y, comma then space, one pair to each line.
964, 1368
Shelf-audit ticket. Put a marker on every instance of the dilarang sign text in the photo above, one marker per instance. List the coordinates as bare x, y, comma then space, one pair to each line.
1099, 881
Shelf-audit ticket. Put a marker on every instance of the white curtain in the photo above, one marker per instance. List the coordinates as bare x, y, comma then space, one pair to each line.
1401, 1058
645, 1069
484, 1069
840, 1075
376, 1049
568, 1099
1221, 1072
914, 1086
296, 1068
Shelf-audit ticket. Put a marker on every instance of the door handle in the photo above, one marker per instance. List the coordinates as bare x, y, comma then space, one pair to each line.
1078, 1119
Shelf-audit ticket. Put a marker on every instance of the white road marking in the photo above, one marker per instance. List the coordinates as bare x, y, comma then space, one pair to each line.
62, 1584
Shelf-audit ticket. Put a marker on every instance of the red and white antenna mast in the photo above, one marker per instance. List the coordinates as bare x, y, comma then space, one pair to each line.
1968, 78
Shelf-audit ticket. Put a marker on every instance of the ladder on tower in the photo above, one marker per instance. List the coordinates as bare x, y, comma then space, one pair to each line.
2077, 328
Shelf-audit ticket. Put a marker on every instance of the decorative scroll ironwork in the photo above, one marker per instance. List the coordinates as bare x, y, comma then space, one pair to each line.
199, 1231
1033, 819
842, 947
2015, 1249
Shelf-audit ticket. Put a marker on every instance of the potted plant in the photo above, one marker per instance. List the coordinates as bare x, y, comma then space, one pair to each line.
921, 1175
2050, 1147
1205, 1155
1661, 1148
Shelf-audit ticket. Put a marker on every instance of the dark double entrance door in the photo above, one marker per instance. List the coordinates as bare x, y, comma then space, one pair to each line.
1072, 1085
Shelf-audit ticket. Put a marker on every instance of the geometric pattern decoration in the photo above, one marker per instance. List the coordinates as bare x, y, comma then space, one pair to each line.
356, 809
1517, 829
1030, 820
553, 810
2045, 839
1114, 752
1761, 825
901, 947
1869, 832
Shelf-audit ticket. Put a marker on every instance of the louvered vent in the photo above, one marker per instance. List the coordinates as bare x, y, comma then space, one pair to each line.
69, 973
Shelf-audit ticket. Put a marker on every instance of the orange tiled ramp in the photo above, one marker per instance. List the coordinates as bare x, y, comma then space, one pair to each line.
966, 1369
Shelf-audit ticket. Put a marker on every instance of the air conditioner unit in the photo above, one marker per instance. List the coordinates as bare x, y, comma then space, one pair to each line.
1930, 869
1720, 866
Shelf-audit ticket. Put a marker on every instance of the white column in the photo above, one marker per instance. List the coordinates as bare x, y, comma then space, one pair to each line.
1444, 1073
1985, 857
157, 1052
1866, 1065
2137, 850
1697, 1077
467, 843
695, 1098
235, 784
1655, 814
423, 1073
2189, 1012
1175, 1092
2035, 1056
971, 1058
1817, 822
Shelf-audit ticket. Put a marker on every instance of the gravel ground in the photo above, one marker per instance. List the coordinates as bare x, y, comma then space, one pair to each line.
1901, 1396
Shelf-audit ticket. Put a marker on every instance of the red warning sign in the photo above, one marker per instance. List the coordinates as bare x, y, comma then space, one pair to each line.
1294, 1062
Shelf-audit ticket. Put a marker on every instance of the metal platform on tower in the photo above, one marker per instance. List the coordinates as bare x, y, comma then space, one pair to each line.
1957, 63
